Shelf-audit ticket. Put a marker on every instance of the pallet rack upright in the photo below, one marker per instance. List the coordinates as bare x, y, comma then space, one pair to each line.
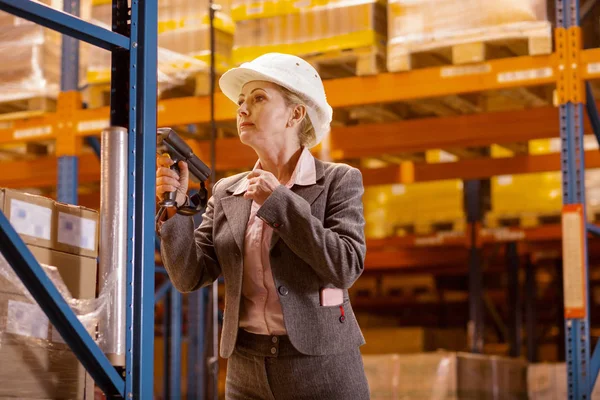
133, 43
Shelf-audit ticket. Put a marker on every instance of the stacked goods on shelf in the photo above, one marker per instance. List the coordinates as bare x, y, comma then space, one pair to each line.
421, 208
445, 375
36, 362
183, 53
548, 381
464, 31
411, 340
531, 199
31, 70
328, 33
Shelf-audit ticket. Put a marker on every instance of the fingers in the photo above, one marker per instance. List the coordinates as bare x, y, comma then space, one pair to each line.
254, 174
163, 161
167, 172
167, 180
183, 169
165, 189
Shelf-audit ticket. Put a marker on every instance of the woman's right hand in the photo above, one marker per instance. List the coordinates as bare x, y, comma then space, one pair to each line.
168, 180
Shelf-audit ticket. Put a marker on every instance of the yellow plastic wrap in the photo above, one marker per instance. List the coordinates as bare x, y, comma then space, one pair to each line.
419, 25
173, 68
36, 362
531, 195
445, 376
183, 40
32, 57
334, 25
413, 208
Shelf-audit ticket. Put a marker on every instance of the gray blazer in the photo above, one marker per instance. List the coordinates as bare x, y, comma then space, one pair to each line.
318, 241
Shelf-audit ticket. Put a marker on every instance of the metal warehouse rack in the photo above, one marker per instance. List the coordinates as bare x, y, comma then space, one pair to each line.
569, 68
134, 50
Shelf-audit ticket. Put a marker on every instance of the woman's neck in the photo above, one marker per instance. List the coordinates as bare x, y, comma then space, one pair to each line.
281, 162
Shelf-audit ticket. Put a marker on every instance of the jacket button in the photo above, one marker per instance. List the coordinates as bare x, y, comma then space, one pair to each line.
276, 225
342, 319
283, 291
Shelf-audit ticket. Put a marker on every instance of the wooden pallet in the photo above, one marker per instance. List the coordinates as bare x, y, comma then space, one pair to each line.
360, 61
408, 286
427, 228
467, 47
26, 107
522, 220
98, 95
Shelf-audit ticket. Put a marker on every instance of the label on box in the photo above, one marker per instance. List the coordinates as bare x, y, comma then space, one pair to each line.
31, 219
26, 319
76, 231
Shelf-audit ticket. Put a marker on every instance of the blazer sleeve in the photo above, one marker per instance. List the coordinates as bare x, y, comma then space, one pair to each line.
335, 248
189, 256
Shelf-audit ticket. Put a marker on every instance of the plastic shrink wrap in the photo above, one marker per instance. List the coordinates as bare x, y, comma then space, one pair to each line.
31, 56
35, 362
183, 39
306, 27
445, 376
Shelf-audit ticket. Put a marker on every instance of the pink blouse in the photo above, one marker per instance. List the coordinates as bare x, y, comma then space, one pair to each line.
260, 309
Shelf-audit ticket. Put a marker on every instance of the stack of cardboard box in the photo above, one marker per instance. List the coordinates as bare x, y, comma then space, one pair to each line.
548, 381
36, 362
31, 56
445, 375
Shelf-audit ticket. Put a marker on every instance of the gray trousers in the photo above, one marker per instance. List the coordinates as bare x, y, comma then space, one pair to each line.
270, 368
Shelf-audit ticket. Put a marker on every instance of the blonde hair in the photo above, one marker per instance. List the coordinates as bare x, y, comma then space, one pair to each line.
306, 134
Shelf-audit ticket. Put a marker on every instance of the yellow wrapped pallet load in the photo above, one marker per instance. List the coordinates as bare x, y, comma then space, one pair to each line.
420, 208
183, 39
306, 27
527, 197
416, 26
31, 65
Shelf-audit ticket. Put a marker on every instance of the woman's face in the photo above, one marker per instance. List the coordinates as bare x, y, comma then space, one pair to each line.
263, 117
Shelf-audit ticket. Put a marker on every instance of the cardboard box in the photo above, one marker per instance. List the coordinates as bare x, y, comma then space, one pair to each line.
36, 364
445, 375
42, 222
412, 340
30, 215
77, 230
78, 273
548, 381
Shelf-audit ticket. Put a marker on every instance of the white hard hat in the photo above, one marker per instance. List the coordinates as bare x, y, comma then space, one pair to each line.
291, 72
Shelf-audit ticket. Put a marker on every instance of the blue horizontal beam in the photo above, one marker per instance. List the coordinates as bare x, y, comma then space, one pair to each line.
65, 23
58, 311
593, 229
162, 291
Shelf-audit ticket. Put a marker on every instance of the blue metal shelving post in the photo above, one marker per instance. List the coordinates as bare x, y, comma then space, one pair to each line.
136, 43
581, 369
69, 81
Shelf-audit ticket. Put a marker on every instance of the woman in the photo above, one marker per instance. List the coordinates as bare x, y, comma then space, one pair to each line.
288, 238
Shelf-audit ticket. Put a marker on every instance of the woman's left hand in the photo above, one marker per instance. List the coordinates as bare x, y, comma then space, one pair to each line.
260, 186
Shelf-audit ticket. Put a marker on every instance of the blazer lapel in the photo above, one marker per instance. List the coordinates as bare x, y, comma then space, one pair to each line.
237, 211
308, 193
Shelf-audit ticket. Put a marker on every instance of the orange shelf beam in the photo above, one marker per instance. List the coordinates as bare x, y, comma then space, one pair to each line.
345, 92
42, 172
